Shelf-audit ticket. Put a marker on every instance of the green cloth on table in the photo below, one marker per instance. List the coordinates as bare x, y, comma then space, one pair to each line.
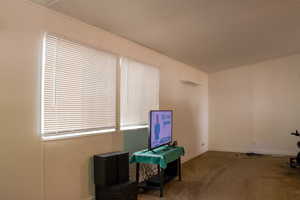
159, 156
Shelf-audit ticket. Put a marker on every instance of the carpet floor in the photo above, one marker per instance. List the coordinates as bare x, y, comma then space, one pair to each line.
233, 176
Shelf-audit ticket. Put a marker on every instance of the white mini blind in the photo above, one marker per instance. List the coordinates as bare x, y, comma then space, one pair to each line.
78, 88
139, 92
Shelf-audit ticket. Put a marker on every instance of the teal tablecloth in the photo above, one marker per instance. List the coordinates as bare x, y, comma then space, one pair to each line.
159, 156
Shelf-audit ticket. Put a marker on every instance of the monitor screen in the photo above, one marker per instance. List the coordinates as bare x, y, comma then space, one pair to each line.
160, 128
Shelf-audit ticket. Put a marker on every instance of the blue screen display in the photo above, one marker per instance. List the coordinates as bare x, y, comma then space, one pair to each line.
160, 128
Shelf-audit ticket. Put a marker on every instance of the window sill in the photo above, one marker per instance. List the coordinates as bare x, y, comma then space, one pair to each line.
76, 135
133, 127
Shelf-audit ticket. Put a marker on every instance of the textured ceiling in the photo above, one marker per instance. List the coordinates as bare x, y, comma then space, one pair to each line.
210, 35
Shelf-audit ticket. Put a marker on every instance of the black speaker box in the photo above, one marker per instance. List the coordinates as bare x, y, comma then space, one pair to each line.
105, 168
172, 169
169, 173
123, 167
111, 168
124, 191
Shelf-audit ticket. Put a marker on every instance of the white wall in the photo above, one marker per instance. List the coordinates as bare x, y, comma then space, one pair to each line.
33, 170
190, 105
254, 108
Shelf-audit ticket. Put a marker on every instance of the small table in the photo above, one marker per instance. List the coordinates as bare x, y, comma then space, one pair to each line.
161, 157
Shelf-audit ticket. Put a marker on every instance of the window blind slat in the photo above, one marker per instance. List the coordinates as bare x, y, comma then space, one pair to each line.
139, 92
78, 88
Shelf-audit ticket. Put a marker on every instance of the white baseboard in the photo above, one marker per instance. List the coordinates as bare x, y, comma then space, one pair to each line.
257, 150
202, 151
276, 152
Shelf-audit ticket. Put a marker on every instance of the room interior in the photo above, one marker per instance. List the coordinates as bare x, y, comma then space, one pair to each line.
228, 70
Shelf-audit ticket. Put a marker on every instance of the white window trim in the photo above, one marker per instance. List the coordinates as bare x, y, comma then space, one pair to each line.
134, 127
75, 135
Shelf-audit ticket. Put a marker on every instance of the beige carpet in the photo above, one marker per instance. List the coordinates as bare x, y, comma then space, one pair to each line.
230, 176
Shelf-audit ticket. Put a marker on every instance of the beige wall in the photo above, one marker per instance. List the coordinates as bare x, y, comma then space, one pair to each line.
254, 108
33, 170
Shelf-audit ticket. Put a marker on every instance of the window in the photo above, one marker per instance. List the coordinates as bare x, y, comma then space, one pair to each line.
139, 93
78, 89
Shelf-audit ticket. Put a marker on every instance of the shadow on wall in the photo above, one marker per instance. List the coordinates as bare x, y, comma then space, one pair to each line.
135, 140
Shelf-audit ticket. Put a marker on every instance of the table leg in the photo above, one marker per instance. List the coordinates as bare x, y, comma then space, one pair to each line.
161, 172
137, 173
158, 170
179, 168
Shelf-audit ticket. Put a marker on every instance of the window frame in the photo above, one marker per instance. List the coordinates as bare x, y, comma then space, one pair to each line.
79, 133
117, 128
138, 126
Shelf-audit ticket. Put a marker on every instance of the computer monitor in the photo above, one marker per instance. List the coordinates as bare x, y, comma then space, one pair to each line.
160, 128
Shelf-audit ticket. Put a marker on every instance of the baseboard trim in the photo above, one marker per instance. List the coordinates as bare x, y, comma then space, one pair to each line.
257, 150
203, 150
